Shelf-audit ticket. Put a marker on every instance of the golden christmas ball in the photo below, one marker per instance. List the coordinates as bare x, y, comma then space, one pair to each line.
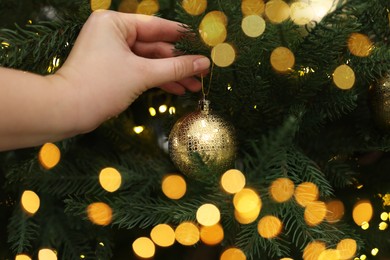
380, 103
202, 138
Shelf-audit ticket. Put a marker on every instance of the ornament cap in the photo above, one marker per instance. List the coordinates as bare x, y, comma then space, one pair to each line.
204, 105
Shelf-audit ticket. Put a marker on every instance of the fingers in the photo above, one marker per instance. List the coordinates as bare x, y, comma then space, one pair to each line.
153, 50
180, 87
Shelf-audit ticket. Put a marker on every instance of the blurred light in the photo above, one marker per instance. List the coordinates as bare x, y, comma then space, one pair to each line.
253, 25
384, 216
246, 200
360, 186
252, 7
374, 251
233, 254
233, 181
365, 225
212, 235
305, 193
138, 129
344, 77
82, 256
100, 4
347, 248
99, 213
363, 257
301, 13
144, 247
194, 7
47, 254
22, 257
335, 211
152, 111
383, 226
101, 243
247, 217
313, 250
386, 200
212, 28
172, 110
362, 212
29, 21
282, 59
56, 62
277, 11
30, 201
315, 213
329, 254
223, 54
208, 215
162, 108
282, 189
163, 235
110, 179
49, 155
174, 186
269, 226
4, 44
187, 234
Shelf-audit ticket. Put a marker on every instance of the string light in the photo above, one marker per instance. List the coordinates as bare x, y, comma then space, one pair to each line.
383, 226
138, 129
347, 248
313, 250
22, 257
174, 186
269, 226
163, 235
99, 213
305, 193
208, 215
315, 213
187, 234
233, 254
212, 235
362, 212
233, 181
172, 110
282, 189
152, 111
384, 216
162, 109
365, 225
30, 201
374, 251
49, 156
47, 254
144, 247
110, 179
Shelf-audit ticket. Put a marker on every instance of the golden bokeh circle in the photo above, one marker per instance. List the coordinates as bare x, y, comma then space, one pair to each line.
144, 247
347, 248
174, 186
252, 7
99, 213
233, 181
30, 201
22, 257
208, 215
362, 212
47, 254
233, 254
335, 211
247, 217
315, 213
194, 7
305, 193
282, 59
269, 226
344, 77
253, 25
277, 11
110, 179
213, 33
282, 189
187, 234
212, 235
301, 13
214, 17
329, 254
100, 4
246, 200
49, 155
163, 235
223, 54
360, 45
313, 250
148, 7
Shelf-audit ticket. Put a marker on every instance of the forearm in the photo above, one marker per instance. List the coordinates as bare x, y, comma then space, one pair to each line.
34, 109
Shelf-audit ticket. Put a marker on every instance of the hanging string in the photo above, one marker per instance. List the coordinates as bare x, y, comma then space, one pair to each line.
207, 92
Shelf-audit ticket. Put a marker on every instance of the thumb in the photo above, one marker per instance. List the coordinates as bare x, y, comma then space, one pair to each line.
176, 68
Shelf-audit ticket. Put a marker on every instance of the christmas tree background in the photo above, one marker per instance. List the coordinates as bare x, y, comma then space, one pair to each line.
306, 87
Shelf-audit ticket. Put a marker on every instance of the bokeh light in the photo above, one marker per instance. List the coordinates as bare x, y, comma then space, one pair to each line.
152, 111
233, 181
30, 201
315, 213
47, 254
347, 248
313, 250
214, 17
282, 59
148, 7
212, 28
233, 254
344, 77
383, 226
329, 254
144, 247
305, 193
138, 129
374, 251
282, 189
246, 200
208, 215
187, 234
49, 155
174, 186
301, 13
194, 7
253, 25
360, 45
335, 211
223, 54
99, 213
212, 235
362, 212
110, 179
384, 216
22, 257
365, 225
252, 7
100, 4
247, 217
269, 226
163, 235
277, 11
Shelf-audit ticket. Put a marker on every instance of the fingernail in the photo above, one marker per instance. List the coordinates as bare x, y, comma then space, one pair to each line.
201, 64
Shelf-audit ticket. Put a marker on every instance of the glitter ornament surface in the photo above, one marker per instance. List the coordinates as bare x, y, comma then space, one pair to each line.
205, 134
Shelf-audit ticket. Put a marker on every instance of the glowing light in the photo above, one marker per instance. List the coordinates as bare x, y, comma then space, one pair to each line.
174, 186
148, 7
363, 257
208, 215
277, 11
269, 226
49, 155
194, 7
47, 254
374, 251
110, 179
252, 7
384, 216
362, 212
162, 108
4, 44
163, 235
212, 28
360, 45
313, 250
144, 247
329, 254
187, 234
282, 59
315, 213
246, 200
223, 54
383, 226
335, 211
233, 254
212, 235
99, 213
152, 111
253, 25
301, 13
82, 256
138, 129
30, 201
100, 4
305, 193
22, 257
247, 217
386, 200
233, 181
347, 248
229, 87
172, 110
282, 189
365, 225
344, 77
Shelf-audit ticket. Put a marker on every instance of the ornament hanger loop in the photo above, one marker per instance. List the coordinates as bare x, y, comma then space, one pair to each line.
204, 91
